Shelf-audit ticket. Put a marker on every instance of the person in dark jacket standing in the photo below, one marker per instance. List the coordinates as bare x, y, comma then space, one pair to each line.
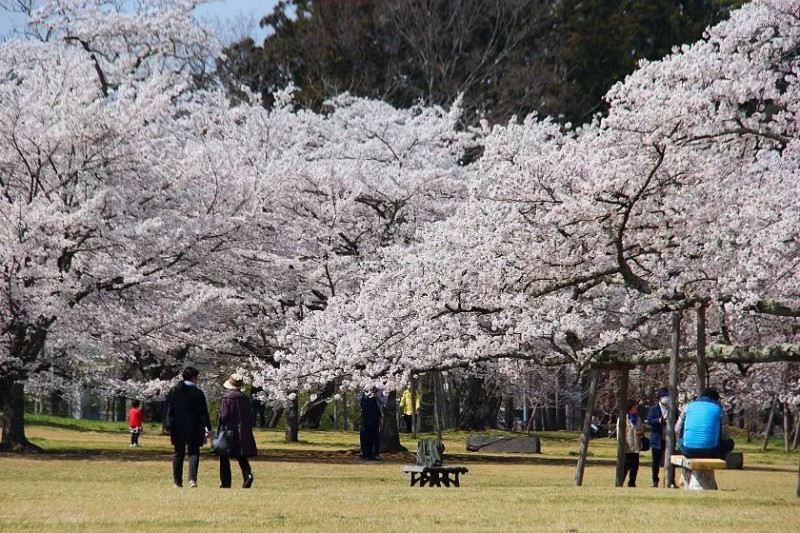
188, 424
236, 413
370, 423
657, 420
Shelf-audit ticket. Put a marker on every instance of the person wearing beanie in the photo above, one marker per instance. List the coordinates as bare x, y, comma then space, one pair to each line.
702, 429
657, 420
188, 425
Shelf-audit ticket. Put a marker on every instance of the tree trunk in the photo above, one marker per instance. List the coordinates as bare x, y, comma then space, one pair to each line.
587, 428
345, 412
390, 435
669, 468
622, 422
509, 418
14, 439
786, 427
474, 406
277, 413
292, 422
796, 430
120, 405
313, 411
770, 423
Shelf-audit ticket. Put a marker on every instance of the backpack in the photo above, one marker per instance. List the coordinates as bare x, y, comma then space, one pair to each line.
430, 452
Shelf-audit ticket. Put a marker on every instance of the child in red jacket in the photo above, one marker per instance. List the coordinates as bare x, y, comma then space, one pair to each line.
135, 423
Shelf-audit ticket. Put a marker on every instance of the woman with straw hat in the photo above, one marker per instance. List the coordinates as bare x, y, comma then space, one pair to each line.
236, 414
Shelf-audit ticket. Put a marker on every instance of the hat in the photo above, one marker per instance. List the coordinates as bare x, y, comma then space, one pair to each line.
662, 392
234, 382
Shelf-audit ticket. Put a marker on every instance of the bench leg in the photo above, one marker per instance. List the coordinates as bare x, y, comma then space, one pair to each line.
455, 480
699, 479
424, 477
445, 479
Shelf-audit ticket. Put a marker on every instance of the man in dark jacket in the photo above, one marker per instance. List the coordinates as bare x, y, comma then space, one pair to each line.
188, 423
236, 414
370, 423
657, 420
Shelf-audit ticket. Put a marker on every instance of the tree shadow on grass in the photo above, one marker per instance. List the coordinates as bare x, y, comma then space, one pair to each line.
347, 456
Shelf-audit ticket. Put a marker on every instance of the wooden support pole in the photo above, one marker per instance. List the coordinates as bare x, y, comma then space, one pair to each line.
414, 412
587, 428
622, 414
702, 365
770, 423
786, 429
673, 396
796, 429
437, 426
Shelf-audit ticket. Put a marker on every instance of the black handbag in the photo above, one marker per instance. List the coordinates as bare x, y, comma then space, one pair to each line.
644, 444
222, 441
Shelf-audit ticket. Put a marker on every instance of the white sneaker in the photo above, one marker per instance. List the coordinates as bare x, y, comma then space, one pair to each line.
193, 483
132, 445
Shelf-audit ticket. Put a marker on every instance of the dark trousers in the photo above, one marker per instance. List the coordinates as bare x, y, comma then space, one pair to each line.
407, 420
658, 462
225, 469
177, 461
135, 436
630, 467
719, 452
370, 440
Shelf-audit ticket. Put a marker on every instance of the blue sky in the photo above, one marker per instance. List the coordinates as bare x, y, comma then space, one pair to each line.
234, 17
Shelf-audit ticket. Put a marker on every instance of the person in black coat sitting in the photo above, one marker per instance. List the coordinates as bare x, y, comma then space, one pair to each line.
188, 424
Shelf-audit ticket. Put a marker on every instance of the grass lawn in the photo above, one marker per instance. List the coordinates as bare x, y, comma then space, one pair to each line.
91, 481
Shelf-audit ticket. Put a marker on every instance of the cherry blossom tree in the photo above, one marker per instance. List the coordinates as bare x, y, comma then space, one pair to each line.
105, 208
576, 245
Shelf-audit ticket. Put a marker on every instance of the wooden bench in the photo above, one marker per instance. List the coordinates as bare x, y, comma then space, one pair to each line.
435, 476
698, 474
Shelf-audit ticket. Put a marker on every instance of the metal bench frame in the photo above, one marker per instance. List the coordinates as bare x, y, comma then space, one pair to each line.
435, 476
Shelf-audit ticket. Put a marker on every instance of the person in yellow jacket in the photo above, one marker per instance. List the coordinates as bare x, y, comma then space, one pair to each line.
408, 411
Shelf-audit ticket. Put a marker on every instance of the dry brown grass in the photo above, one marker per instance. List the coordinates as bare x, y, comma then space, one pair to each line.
115, 489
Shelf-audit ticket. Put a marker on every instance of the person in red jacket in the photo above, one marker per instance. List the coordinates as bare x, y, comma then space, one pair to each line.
135, 416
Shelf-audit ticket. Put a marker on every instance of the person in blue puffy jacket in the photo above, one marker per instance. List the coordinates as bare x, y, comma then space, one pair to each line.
702, 429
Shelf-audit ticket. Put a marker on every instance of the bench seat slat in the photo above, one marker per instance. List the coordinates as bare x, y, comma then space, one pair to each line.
421, 468
699, 463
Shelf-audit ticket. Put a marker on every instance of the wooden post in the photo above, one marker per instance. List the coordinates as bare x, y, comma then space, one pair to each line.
437, 427
622, 414
587, 428
702, 365
770, 423
669, 468
414, 412
798, 481
796, 430
786, 428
